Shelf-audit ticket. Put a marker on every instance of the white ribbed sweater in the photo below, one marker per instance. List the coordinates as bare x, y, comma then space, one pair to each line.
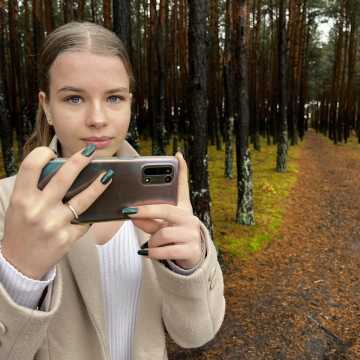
121, 275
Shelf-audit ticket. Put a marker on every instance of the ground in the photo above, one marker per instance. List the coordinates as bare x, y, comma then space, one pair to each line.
299, 298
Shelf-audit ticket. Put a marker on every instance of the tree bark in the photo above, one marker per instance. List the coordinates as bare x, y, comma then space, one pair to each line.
107, 13
49, 16
213, 87
200, 192
122, 22
244, 212
229, 91
282, 147
16, 89
6, 137
122, 28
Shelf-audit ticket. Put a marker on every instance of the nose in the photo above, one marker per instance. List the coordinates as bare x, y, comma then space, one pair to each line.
96, 116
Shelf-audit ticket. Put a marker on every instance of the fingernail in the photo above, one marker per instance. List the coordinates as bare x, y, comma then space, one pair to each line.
107, 176
129, 211
143, 252
145, 245
180, 153
89, 150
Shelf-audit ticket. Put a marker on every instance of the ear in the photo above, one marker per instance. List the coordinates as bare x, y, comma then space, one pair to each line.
44, 104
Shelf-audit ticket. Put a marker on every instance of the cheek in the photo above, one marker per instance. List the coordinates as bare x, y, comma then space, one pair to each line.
123, 121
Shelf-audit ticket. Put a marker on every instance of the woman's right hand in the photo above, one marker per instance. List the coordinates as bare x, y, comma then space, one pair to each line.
38, 230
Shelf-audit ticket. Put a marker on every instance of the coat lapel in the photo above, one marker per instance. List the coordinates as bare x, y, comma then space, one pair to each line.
84, 262
85, 265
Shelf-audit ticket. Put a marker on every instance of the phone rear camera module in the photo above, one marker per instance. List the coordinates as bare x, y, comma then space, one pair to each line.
168, 179
153, 170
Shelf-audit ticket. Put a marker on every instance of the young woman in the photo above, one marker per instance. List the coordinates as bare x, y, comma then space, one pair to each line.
106, 291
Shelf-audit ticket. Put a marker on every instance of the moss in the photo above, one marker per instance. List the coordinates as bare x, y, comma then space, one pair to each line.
270, 190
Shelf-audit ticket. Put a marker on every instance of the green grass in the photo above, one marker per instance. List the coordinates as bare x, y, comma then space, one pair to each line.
270, 192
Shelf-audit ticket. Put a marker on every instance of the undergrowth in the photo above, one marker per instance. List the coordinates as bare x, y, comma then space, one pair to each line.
270, 192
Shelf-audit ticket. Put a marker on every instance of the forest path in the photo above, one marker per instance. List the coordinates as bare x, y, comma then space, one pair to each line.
299, 298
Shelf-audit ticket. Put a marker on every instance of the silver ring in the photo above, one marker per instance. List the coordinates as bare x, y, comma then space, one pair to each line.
76, 216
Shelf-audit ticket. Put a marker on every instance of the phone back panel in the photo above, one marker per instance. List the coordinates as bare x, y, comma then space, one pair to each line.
127, 189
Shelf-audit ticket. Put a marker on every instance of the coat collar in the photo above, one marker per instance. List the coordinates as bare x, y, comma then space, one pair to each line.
85, 265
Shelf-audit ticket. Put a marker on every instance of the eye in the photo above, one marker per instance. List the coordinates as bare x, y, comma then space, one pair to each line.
73, 99
115, 99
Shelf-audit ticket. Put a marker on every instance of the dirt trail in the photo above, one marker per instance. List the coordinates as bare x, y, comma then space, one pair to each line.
300, 297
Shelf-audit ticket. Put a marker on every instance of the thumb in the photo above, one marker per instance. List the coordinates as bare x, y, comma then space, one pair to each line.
183, 183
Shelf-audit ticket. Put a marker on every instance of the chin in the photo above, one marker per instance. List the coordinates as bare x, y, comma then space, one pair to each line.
104, 153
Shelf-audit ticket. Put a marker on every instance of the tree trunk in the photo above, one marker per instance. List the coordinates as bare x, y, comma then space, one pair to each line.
244, 212
16, 89
6, 137
213, 88
161, 60
49, 16
256, 81
158, 128
94, 10
173, 78
30, 66
122, 22
229, 91
68, 9
304, 71
38, 26
107, 13
122, 28
198, 110
282, 147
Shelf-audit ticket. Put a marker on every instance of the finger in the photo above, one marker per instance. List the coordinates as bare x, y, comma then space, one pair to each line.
31, 167
170, 213
65, 176
82, 201
79, 230
149, 226
172, 235
170, 252
183, 183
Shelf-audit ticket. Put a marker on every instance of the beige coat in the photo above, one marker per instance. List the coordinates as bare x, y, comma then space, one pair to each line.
72, 323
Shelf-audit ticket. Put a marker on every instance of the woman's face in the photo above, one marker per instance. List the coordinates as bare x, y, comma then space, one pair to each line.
89, 102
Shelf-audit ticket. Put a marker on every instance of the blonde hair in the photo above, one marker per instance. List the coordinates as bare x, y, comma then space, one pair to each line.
73, 36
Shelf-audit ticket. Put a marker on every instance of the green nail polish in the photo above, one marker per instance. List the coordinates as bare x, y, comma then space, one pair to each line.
107, 176
143, 252
89, 150
145, 245
129, 211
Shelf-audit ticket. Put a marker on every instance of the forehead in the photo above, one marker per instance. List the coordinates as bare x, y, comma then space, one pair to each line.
86, 69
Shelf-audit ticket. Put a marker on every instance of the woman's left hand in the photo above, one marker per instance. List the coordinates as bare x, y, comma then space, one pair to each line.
174, 230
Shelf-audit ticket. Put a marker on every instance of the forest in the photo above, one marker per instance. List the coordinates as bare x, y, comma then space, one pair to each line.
256, 94
287, 77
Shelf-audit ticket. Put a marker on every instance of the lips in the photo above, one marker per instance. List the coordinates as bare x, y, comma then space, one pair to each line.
100, 141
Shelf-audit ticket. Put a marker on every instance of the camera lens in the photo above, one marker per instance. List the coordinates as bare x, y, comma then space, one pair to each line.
168, 179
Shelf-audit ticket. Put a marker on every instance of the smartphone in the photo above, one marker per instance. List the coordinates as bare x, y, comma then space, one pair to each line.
136, 181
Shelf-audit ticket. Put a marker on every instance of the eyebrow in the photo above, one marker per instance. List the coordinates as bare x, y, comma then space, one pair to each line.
75, 89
